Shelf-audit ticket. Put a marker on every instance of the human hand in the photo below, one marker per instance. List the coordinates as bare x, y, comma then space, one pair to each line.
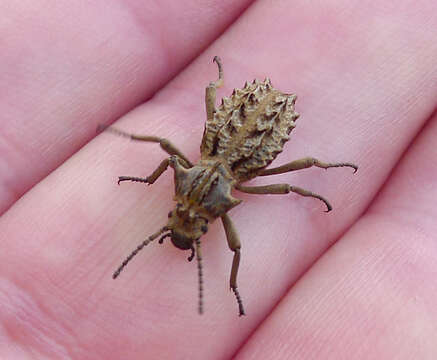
355, 283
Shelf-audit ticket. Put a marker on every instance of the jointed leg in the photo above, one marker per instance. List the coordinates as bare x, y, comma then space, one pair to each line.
303, 164
210, 93
150, 179
282, 189
234, 245
165, 144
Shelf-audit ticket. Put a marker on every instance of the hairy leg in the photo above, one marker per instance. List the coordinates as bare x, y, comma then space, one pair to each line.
234, 245
304, 163
282, 189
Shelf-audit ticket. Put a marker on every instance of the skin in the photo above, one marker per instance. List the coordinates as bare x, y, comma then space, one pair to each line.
358, 282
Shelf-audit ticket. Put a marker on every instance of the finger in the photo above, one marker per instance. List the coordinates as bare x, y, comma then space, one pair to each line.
378, 282
70, 66
117, 221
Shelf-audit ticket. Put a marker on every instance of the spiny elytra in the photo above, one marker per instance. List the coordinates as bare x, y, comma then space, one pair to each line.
242, 137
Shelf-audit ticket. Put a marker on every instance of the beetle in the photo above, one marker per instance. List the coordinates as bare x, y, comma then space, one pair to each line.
242, 136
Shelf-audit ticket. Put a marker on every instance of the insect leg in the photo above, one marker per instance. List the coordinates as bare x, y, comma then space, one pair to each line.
235, 245
165, 144
282, 189
210, 92
303, 164
150, 179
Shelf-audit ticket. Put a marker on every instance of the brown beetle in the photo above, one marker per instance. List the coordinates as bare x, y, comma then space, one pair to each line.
241, 138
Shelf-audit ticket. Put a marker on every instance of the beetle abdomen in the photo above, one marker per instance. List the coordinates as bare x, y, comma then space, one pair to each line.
250, 128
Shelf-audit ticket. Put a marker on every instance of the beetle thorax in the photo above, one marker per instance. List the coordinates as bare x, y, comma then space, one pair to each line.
203, 190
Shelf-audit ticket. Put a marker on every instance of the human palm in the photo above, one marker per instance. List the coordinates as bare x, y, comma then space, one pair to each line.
358, 282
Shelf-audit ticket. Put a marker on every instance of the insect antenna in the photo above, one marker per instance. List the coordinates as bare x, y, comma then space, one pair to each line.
114, 130
138, 249
200, 275
111, 129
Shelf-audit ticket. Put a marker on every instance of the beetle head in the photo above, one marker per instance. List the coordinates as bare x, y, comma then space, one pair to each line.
186, 226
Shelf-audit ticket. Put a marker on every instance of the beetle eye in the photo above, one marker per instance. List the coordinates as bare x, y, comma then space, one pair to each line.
169, 214
204, 228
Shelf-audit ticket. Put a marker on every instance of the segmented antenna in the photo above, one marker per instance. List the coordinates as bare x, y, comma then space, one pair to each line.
111, 129
114, 130
138, 249
200, 275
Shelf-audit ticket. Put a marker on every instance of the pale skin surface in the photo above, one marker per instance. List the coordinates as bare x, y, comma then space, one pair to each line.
366, 81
